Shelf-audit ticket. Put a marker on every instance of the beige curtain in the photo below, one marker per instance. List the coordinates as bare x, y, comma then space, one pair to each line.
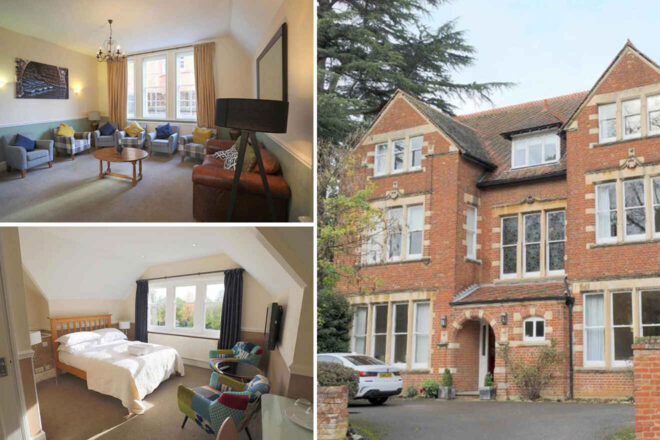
117, 91
204, 84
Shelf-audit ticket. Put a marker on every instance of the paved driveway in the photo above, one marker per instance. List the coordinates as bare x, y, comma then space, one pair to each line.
422, 419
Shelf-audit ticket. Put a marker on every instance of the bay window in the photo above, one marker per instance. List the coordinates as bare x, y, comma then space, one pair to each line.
650, 312
421, 329
399, 333
631, 118
186, 98
380, 159
556, 238
359, 342
154, 87
532, 244
634, 209
653, 111
606, 213
379, 331
594, 329
535, 149
415, 226
130, 86
622, 327
606, 123
471, 232
509, 248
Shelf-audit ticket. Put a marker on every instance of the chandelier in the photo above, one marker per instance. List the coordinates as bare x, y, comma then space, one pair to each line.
110, 50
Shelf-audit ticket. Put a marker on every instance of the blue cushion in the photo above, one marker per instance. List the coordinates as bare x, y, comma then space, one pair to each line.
25, 142
107, 129
163, 131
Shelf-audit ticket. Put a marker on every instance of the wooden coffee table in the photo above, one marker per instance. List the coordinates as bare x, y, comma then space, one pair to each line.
128, 154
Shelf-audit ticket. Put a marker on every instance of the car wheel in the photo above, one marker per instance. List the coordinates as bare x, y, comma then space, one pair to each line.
377, 400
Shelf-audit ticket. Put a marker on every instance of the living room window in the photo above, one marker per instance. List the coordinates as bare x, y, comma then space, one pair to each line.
534, 329
631, 118
379, 331
186, 98
471, 232
130, 86
607, 123
535, 149
154, 87
399, 333
653, 111
606, 213
421, 329
622, 328
359, 342
594, 329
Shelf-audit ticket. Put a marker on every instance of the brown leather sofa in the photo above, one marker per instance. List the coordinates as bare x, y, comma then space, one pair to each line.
212, 189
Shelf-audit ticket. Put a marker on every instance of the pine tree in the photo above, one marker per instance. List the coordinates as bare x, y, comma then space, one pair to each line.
367, 49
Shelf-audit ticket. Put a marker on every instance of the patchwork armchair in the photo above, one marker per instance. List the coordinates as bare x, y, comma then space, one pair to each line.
167, 146
72, 145
242, 351
133, 142
210, 405
193, 150
101, 141
18, 158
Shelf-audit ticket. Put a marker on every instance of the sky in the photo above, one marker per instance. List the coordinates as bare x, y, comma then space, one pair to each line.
547, 47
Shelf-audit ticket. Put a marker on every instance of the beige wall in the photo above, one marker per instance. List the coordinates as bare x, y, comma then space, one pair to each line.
82, 72
74, 307
234, 75
36, 304
299, 16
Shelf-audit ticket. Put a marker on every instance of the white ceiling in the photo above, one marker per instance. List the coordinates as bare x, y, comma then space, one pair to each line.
103, 263
138, 25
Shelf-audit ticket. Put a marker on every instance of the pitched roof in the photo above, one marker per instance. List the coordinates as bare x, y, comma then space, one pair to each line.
488, 293
492, 124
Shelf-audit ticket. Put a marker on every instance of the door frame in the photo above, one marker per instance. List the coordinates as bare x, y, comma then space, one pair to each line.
484, 351
12, 364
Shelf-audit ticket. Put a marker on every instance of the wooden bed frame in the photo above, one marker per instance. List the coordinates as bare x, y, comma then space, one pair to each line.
62, 326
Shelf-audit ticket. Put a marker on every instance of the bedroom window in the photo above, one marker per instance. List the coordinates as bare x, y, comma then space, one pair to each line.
398, 155
415, 158
653, 109
535, 149
634, 209
606, 123
509, 247
213, 306
157, 301
631, 118
471, 232
185, 306
606, 213
380, 159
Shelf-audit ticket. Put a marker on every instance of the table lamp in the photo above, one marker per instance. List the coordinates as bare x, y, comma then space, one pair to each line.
124, 325
95, 117
250, 116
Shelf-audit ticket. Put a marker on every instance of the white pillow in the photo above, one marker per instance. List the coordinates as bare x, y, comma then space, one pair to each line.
78, 337
110, 335
77, 348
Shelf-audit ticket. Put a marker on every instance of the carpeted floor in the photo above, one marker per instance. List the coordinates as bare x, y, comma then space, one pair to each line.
72, 192
69, 411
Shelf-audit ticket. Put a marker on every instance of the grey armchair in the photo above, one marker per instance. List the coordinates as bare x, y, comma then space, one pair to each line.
101, 141
193, 150
134, 142
18, 158
72, 145
167, 146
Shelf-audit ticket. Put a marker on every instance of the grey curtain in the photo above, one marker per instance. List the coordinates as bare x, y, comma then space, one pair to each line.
230, 322
141, 307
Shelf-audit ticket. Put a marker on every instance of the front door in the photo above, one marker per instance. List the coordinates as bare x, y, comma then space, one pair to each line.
483, 351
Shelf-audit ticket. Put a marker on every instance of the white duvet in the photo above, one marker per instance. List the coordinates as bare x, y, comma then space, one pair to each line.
112, 370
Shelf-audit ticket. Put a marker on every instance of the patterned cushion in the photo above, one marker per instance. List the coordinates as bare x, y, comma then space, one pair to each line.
257, 387
229, 157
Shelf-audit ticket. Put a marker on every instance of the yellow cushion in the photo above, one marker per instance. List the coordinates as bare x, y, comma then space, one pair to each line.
201, 135
65, 130
133, 129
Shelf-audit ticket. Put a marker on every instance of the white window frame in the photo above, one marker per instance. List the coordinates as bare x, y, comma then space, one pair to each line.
416, 333
524, 141
655, 206
471, 233
149, 325
373, 246
534, 337
502, 246
525, 243
650, 110
548, 242
641, 312
606, 210
372, 348
409, 230
619, 363
588, 363
380, 156
177, 57
623, 119
145, 88
355, 333
402, 233
403, 157
131, 62
601, 139
200, 284
411, 150
633, 237
394, 333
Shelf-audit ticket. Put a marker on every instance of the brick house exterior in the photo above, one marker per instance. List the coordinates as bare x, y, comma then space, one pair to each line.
487, 214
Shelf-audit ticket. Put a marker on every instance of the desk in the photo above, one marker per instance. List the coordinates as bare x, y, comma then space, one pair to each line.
275, 425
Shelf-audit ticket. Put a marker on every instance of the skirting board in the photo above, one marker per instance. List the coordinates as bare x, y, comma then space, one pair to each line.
40, 436
197, 363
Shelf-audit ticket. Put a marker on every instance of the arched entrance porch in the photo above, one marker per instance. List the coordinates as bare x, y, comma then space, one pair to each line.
473, 355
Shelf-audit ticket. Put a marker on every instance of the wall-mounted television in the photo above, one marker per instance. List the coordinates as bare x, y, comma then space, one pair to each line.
273, 326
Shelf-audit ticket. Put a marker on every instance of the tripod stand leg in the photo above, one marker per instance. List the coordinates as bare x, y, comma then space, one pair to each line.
237, 173
262, 171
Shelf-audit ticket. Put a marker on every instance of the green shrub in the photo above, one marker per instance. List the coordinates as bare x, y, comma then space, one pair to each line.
531, 376
430, 389
331, 375
488, 381
411, 391
447, 379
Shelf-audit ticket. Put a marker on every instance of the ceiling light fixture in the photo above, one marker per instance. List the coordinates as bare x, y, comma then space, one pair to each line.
110, 50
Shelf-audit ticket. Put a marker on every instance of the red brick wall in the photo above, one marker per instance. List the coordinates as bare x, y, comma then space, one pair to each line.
647, 388
631, 71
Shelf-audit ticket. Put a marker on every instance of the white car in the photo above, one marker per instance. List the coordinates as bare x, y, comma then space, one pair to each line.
378, 381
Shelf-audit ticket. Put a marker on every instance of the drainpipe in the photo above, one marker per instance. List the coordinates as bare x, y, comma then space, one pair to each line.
570, 301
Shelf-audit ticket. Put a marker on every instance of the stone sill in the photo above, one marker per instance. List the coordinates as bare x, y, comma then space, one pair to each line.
425, 260
624, 243
472, 260
625, 141
402, 173
523, 280
603, 370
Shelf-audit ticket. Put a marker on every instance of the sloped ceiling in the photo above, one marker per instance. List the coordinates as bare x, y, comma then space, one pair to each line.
138, 25
103, 263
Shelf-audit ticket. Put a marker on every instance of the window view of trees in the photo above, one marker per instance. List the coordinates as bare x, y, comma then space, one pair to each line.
157, 306
184, 299
213, 306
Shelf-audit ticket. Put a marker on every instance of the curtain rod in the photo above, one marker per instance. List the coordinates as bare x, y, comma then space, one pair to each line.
184, 275
160, 50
